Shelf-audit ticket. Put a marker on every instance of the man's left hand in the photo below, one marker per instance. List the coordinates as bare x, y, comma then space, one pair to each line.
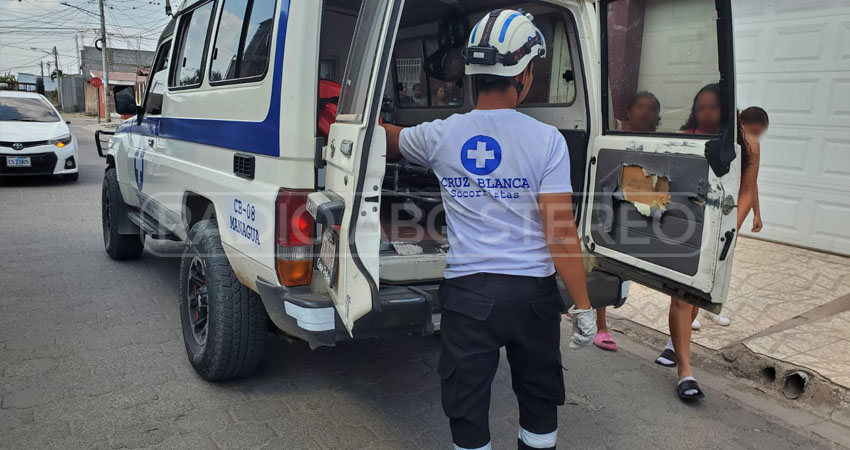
584, 327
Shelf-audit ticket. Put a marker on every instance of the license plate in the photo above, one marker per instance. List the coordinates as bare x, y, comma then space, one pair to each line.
18, 161
327, 262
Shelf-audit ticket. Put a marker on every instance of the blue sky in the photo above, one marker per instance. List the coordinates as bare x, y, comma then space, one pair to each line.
42, 24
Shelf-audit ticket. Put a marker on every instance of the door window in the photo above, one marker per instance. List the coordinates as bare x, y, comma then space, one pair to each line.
243, 40
416, 89
554, 83
662, 68
412, 88
153, 105
191, 46
361, 60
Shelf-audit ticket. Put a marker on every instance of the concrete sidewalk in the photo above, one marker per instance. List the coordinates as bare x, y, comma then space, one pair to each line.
786, 303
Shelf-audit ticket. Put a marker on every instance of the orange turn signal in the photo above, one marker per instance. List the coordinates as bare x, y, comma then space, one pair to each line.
295, 273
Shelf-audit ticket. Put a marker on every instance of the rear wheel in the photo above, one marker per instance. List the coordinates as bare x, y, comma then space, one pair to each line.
224, 323
113, 210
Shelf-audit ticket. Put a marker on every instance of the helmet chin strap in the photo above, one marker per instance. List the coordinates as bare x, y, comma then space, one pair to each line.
518, 86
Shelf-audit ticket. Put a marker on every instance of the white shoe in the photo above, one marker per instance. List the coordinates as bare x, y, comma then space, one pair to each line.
695, 325
719, 319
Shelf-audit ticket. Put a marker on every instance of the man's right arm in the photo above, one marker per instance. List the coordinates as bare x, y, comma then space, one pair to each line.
393, 134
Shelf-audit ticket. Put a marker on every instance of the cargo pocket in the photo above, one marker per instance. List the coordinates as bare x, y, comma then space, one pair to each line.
466, 302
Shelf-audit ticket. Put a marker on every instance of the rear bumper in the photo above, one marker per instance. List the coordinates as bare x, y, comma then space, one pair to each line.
312, 317
405, 310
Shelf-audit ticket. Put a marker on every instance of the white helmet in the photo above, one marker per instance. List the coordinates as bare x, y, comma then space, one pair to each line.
503, 43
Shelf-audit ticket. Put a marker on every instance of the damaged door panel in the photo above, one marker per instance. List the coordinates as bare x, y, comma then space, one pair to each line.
644, 206
663, 162
649, 193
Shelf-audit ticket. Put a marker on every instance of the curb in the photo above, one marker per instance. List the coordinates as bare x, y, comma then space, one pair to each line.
807, 389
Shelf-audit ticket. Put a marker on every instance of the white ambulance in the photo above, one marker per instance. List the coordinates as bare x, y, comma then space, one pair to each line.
292, 217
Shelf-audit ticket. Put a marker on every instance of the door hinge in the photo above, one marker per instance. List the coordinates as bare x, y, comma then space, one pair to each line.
346, 148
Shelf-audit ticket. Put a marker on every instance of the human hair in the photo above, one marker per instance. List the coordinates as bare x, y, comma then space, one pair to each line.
492, 83
496, 83
745, 147
754, 115
691, 123
651, 96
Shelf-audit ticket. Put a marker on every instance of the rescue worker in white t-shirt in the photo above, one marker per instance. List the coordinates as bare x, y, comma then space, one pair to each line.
506, 191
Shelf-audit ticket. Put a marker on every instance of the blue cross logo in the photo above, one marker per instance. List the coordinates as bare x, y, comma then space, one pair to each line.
481, 155
139, 160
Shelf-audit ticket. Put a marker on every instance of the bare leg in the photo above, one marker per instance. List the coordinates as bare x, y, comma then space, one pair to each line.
681, 316
601, 322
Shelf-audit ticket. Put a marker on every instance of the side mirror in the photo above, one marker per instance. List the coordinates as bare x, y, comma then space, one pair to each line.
67, 122
125, 100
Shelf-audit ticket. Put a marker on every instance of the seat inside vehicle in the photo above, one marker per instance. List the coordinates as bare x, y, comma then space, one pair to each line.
426, 82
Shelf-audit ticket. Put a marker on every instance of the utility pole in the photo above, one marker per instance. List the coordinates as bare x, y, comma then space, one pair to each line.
79, 57
105, 65
58, 79
41, 63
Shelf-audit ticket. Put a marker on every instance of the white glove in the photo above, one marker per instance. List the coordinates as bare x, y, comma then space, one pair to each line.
584, 327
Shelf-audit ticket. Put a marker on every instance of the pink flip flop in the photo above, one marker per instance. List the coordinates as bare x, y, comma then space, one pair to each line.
605, 342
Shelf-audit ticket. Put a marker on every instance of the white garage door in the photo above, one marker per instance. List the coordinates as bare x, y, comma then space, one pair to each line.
793, 59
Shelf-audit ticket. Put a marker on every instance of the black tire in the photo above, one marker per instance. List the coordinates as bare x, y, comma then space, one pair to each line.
71, 176
229, 341
113, 210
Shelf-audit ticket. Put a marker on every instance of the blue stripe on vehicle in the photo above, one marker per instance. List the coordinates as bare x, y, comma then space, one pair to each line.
474, 31
505, 26
252, 137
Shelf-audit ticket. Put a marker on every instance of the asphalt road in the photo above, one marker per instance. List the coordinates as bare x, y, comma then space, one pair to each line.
91, 356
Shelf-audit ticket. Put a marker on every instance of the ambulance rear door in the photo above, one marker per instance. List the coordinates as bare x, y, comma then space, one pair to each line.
356, 157
662, 189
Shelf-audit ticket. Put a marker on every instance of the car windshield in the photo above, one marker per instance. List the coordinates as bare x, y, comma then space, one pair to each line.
26, 110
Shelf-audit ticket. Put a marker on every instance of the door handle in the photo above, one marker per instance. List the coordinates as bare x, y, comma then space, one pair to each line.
727, 238
150, 142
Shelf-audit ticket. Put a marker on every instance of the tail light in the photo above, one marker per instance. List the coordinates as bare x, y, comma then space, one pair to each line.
294, 236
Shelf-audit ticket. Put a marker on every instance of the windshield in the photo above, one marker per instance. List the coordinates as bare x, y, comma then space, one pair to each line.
26, 110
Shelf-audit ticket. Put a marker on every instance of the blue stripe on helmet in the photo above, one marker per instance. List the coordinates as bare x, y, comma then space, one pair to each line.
474, 30
506, 25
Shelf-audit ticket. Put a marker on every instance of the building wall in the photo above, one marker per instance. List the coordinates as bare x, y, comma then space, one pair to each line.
49, 85
73, 93
120, 60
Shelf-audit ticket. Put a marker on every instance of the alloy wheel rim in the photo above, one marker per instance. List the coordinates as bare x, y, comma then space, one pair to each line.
197, 302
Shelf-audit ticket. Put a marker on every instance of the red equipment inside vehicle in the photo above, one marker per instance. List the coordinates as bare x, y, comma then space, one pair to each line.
328, 104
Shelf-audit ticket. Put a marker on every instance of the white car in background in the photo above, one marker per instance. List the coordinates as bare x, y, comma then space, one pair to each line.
34, 140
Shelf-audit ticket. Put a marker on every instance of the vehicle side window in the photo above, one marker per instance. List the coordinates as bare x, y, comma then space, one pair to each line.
414, 88
361, 59
243, 40
158, 79
191, 46
661, 68
554, 83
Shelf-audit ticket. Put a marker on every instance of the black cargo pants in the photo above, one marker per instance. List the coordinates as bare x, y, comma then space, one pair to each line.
482, 313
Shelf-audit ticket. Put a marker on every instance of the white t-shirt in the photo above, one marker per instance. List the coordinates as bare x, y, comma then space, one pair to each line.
492, 164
